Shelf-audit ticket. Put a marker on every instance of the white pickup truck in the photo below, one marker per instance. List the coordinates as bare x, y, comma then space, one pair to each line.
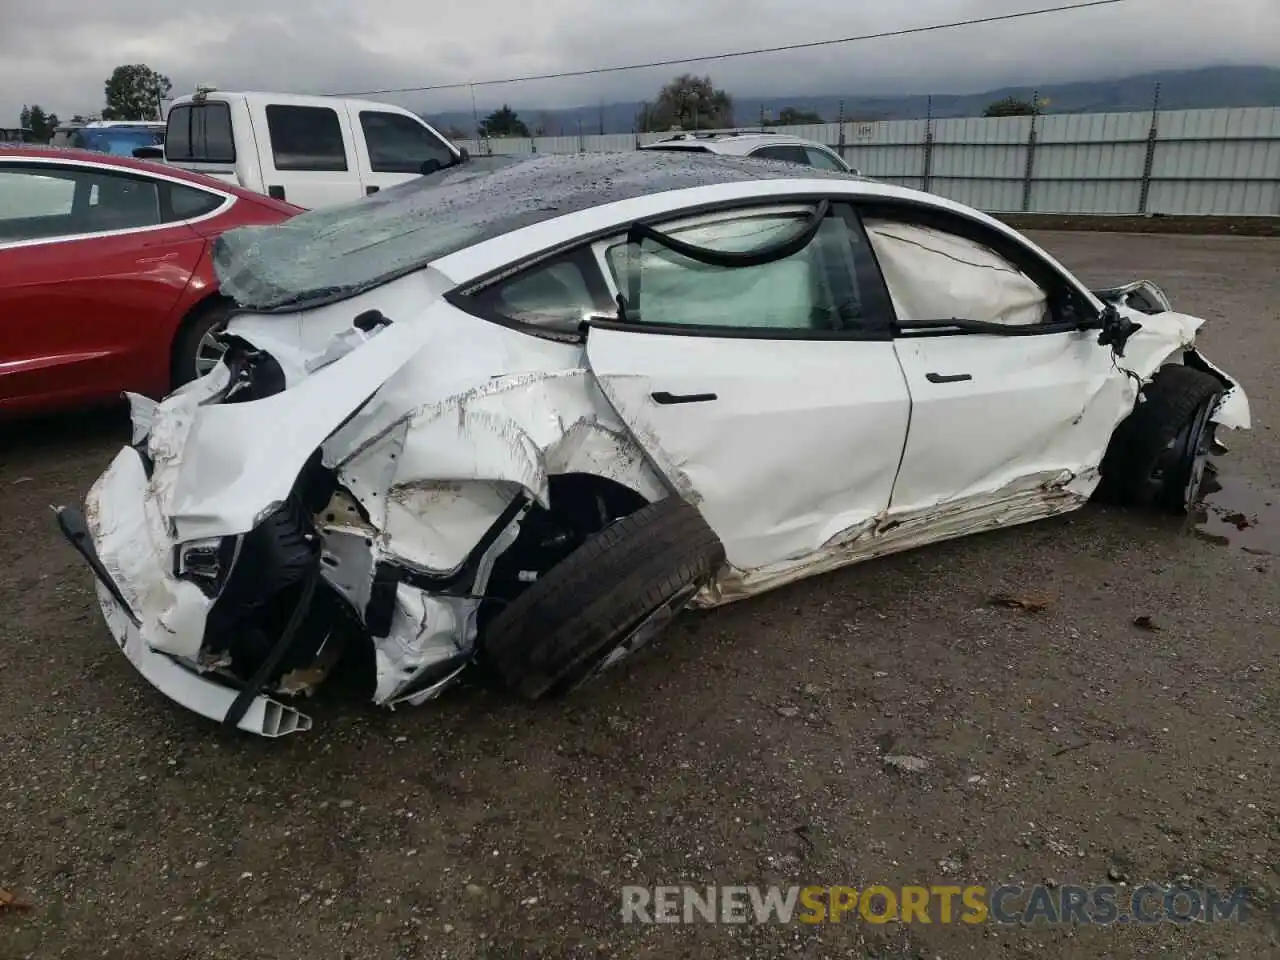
311, 151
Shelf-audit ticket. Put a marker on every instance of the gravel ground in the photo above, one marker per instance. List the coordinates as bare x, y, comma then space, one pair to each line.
1067, 745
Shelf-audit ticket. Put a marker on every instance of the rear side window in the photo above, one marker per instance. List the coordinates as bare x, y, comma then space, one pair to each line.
186, 203
824, 160
45, 203
399, 144
200, 133
306, 138
788, 153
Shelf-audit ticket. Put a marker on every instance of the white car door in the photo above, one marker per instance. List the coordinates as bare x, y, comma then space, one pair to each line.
768, 395
996, 416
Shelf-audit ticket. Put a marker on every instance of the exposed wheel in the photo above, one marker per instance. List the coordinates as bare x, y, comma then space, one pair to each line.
605, 600
196, 350
1158, 454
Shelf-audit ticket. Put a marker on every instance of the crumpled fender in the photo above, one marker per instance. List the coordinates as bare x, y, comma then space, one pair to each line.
1166, 337
438, 477
235, 462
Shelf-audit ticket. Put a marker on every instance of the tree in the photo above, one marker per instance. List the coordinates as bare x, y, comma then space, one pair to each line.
1010, 107
40, 124
689, 103
134, 92
794, 116
503, 122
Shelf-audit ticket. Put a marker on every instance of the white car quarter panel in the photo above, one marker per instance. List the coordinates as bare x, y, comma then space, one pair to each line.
1036, 408
800, 443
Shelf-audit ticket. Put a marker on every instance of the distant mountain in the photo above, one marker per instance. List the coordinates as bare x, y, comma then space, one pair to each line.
1179, 90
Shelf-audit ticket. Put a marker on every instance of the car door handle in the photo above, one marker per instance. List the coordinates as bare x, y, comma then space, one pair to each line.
275, 191
370, 190
947, 377
665, 398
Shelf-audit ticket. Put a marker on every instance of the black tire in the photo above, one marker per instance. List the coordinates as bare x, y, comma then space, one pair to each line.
208, 316
1151, 455
563, 626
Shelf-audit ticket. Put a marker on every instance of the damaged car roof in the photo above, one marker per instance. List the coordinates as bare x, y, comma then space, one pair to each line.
340, 251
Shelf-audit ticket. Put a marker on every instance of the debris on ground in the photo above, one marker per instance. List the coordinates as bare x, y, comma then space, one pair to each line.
1237, 520
1144, 622
907, 763
10, 901
1027, 604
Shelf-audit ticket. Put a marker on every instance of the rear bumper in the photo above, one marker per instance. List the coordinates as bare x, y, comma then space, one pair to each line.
125, 573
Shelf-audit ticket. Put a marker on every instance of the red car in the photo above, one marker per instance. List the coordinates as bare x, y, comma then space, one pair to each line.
106, 281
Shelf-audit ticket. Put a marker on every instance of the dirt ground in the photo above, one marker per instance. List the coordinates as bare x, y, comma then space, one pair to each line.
1068, 746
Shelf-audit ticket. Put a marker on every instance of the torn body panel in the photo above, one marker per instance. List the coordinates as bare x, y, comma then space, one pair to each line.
426, 466
1030, 498
160, 625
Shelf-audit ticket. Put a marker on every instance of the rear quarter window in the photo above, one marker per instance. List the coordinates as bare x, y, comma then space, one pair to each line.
187, 203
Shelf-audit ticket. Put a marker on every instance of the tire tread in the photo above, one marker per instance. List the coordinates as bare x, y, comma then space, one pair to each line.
573, 613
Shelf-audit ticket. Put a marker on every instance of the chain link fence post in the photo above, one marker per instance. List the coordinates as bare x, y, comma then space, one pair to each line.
1028, 172
927, 174
1144, 195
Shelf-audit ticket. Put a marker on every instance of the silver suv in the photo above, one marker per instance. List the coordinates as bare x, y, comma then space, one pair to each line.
764, 146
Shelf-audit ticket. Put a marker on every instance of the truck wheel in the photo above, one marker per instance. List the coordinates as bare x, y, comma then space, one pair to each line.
605, 600
1158, 454
195, 352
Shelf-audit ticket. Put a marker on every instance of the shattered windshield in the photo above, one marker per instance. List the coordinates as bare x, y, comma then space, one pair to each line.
340, 251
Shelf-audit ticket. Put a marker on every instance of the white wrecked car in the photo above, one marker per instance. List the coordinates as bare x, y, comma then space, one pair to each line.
526, 416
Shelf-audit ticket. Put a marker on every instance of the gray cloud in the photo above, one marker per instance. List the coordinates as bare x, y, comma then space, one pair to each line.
59, 52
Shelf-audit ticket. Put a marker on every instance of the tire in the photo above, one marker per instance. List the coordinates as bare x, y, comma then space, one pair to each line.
211, 315
1157, 453
564, 627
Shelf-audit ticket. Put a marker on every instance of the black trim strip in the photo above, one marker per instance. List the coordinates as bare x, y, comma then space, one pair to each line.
957, 327
742, 333
72, 524
387, 575
244, 699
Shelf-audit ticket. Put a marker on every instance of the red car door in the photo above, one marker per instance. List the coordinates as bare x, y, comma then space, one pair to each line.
89, 274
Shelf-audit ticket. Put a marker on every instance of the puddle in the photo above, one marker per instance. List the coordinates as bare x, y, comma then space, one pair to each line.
1234, 512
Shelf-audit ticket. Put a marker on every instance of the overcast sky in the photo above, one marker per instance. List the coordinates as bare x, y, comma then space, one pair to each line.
58, 52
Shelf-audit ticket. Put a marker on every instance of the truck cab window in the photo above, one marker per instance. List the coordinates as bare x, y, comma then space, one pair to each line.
200, 133
400, 144
306, 138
